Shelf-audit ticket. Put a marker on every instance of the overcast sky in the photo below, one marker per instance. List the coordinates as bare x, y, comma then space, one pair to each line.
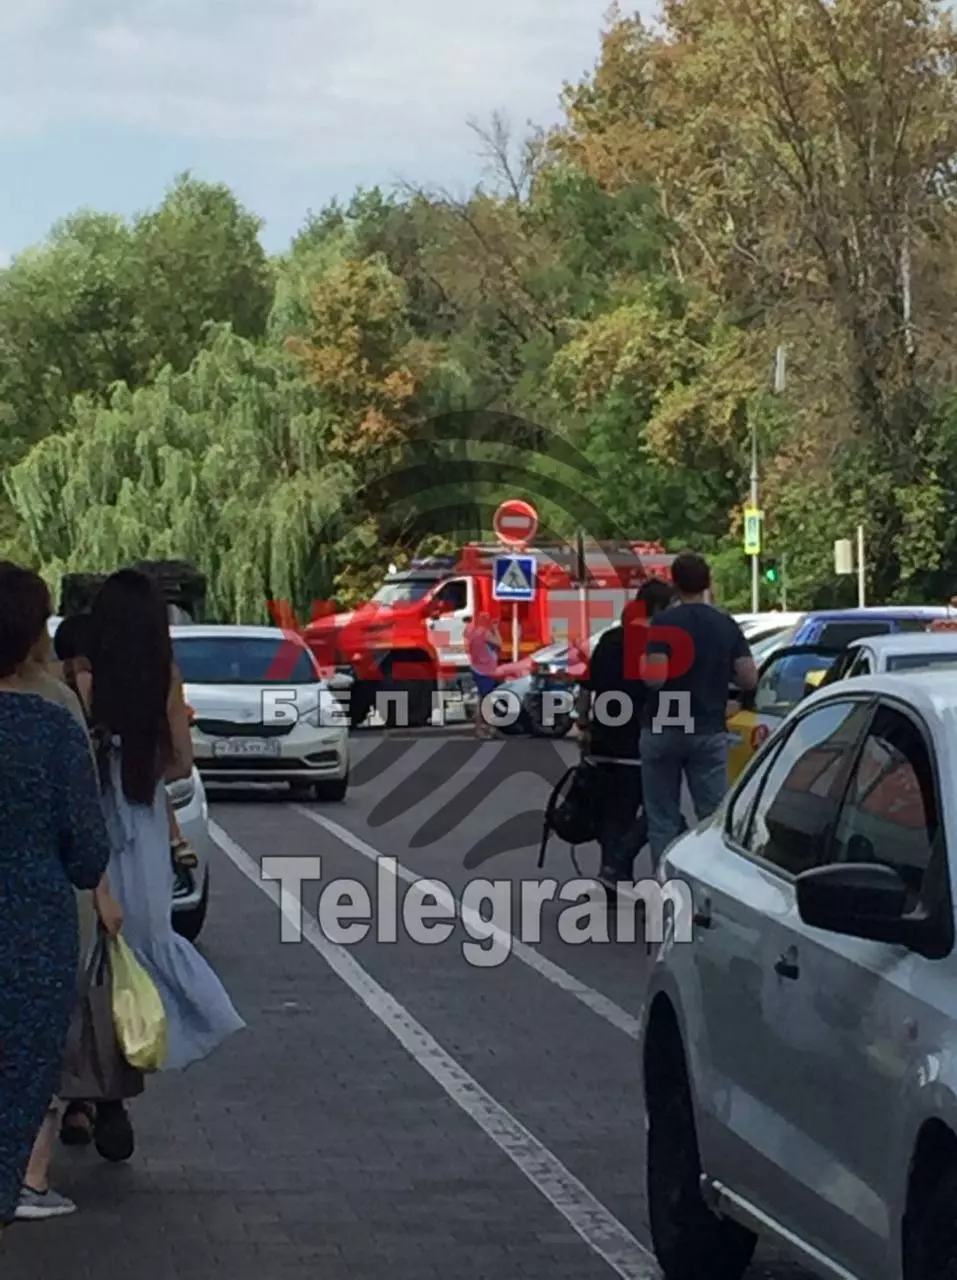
291, 102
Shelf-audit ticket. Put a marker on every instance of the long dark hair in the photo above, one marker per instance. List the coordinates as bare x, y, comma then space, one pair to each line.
131, 662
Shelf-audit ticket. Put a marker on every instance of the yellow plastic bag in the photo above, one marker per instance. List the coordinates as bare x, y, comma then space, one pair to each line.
138, 1013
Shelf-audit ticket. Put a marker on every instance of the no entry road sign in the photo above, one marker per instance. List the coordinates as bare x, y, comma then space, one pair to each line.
515, 522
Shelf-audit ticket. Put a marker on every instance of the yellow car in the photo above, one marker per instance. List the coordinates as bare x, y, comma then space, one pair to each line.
786, 678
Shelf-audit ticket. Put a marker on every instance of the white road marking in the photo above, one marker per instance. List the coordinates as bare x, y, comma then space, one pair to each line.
594, 1223
554, 973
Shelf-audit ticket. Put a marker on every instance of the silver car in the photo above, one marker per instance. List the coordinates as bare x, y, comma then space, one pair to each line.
261, 711
549, 671
799, 1027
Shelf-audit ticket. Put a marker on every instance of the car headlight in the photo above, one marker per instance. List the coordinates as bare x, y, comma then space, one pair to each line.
327, 715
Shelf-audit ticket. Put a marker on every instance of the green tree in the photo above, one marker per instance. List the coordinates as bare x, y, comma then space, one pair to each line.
225, 464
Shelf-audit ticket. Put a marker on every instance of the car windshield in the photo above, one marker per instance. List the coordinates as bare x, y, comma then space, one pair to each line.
919, 661
402, 592
244, 660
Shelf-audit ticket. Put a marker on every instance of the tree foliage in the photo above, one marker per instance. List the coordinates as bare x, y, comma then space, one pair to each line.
747, 174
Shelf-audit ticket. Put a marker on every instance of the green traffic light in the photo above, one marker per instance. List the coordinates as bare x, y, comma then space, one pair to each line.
771, 574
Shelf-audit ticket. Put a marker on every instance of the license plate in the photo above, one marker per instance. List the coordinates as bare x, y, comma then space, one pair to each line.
247, 747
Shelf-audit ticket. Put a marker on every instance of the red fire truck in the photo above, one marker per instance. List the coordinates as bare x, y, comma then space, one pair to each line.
413, 643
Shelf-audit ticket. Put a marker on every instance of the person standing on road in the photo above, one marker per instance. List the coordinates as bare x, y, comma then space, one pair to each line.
610, 716
134, 701
52, 841
715, 655
484, 645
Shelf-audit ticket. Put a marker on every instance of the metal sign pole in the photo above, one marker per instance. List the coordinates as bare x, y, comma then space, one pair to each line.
860, 567
582, 572
755, 559
515, 631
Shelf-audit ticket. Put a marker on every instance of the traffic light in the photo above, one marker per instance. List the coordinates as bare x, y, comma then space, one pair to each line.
771, 571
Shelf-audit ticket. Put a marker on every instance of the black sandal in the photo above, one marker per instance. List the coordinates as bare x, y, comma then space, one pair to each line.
76, 1127
112, 1132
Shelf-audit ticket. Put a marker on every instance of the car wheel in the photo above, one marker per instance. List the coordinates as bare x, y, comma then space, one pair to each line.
421, 695
561, 727
361, 702
931, 1243
189, 924
332, 789
690, 1242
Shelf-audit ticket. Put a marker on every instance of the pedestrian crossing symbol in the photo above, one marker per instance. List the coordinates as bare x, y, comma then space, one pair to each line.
514, 578
752, 531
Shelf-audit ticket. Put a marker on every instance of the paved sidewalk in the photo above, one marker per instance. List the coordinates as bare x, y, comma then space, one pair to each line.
309, 1146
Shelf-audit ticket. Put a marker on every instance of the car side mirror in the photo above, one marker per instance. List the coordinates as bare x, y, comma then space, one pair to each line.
860, 900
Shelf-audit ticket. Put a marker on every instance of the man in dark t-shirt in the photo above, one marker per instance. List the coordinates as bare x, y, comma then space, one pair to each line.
694, 653
612, 720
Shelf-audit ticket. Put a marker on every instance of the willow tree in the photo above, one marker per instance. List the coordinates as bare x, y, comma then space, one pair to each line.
226, 464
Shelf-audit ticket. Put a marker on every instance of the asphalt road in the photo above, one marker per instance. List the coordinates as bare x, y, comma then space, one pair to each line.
393, 1107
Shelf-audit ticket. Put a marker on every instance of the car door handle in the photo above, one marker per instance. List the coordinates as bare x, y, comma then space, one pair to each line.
786, 966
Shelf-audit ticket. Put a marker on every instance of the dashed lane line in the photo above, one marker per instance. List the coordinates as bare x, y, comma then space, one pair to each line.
593, 1222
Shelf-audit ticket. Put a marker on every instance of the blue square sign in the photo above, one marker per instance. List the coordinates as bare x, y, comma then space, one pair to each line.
514, 578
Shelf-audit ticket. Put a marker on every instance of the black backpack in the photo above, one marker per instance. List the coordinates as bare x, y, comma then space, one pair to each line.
571, 809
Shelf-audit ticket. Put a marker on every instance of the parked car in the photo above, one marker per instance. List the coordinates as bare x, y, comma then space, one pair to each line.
816, 642
877, 654
758, 626
557, 669
191, 887
235, 677
799, 1060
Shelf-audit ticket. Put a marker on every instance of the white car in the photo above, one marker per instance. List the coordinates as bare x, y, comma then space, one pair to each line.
191, 887
262, 712
907, 651
799, 1056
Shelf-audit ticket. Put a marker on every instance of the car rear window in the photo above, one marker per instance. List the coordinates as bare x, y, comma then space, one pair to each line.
920, 661
242, 660
836, 635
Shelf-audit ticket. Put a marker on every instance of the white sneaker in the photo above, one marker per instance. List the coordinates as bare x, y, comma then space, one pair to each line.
34, 1206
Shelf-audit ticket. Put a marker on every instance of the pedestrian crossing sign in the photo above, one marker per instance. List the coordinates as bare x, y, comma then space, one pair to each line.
514, 578
752, 531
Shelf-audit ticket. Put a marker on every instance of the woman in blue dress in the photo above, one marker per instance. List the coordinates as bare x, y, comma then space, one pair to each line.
133, 695
52, 840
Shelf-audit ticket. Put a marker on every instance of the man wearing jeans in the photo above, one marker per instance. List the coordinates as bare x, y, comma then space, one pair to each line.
694, 653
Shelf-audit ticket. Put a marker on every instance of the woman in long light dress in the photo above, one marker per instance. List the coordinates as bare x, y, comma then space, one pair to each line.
134, 699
